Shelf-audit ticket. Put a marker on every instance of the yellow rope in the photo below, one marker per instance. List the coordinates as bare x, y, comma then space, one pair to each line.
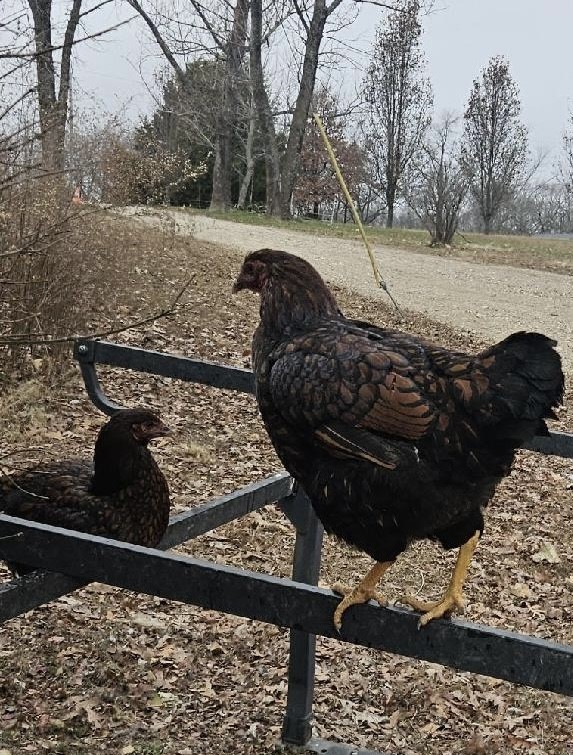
334, 162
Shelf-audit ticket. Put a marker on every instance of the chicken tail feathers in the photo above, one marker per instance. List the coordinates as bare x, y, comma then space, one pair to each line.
527, 383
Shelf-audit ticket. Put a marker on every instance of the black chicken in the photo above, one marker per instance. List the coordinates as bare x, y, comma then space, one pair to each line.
122, 495
392, 437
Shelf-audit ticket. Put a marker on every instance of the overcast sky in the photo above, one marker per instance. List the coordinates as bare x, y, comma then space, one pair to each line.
459, 38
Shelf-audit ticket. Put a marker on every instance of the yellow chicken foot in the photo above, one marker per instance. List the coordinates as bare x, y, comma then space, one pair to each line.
453, 597
364, 592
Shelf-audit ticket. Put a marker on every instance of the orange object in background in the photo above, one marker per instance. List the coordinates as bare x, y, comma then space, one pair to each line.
78, 196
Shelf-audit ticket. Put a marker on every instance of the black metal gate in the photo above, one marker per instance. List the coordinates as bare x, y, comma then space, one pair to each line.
74, 559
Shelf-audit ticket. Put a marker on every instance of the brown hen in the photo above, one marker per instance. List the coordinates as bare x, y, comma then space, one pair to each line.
122, 495
392, 437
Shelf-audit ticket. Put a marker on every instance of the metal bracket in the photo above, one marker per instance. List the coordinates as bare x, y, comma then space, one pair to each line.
84, 352
90, 352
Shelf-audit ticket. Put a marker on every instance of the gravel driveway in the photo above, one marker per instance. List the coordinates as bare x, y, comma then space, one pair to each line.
489, 300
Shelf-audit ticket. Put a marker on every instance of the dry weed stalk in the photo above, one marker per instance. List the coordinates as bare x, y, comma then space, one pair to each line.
44, 244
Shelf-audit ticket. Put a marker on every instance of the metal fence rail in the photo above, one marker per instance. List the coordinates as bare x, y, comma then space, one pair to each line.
75, 559
35, 589
288, 603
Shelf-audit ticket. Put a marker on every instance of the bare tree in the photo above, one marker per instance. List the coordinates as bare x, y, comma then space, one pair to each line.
316, 187
495, 141
37, 45
53, 95
565, 170
225, 28
542, 208
399, 99
282, 169
438, 184
264, 111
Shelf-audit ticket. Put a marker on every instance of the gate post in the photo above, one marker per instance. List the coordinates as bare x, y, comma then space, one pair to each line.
297, 722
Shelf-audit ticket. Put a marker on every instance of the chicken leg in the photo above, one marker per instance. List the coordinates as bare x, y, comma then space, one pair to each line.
362, 593
453, 597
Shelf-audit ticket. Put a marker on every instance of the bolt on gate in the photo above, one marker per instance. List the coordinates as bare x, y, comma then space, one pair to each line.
74, 559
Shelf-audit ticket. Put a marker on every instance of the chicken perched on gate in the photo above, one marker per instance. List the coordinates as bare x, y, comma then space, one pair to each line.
392, 437
122, 495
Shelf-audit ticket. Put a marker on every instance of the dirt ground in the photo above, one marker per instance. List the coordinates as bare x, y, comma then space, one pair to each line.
488, 300
105, 670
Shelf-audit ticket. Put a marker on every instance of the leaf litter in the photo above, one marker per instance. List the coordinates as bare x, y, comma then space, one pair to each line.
106, 670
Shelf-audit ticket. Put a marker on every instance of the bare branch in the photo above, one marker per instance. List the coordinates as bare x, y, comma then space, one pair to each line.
15, 104
216, 38
159, 39
378, 4
67, 47
301, 15
333, 6
25, 340
25, 57
95, 8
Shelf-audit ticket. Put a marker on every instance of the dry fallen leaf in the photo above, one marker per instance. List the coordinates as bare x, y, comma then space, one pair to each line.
521, 590
547, 552
475, 746
394, 718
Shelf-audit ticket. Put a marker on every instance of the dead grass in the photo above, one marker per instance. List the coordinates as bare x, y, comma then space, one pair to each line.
57, 263
104, 670
23, 409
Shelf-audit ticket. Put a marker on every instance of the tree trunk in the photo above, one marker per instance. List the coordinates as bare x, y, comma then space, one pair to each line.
53, 110
390, 199
301, 111
390, 216
227, 116
264, 112
221, 193
250, 162
451, 229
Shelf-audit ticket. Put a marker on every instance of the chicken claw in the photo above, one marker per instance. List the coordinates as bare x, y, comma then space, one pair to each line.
353, 597
451, 601
453, 597
362, 593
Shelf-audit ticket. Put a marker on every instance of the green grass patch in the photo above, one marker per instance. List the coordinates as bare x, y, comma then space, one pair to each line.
542, 253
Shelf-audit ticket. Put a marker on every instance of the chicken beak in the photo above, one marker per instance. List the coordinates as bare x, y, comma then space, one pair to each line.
161, 430
238, 285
